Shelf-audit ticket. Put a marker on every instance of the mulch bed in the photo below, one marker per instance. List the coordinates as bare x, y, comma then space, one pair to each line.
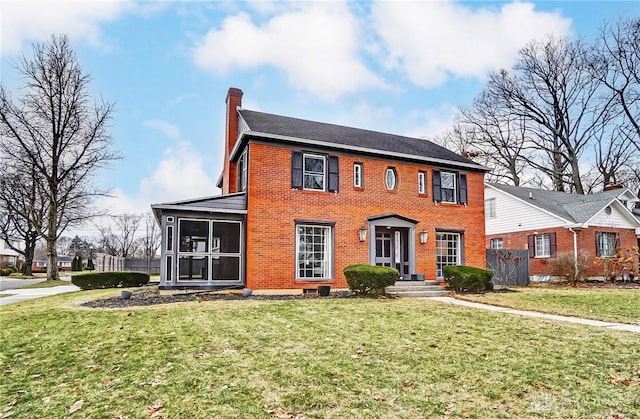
150, 297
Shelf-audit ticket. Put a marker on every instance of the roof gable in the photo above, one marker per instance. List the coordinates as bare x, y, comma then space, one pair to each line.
284, 128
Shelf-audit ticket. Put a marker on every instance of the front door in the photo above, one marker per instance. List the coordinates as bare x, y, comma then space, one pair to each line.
392, 250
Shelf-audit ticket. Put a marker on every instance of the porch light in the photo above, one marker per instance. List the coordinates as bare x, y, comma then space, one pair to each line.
362, 233
424, 235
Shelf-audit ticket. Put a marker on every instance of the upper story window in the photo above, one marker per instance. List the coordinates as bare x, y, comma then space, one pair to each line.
449, 187
242, 172
390, 178
607, 243
542, 245
357, 175
490, 208
314, 172
422, 182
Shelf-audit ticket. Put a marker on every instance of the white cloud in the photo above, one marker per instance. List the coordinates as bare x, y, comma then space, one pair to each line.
433, 41
179, 175
35, 21
315, 45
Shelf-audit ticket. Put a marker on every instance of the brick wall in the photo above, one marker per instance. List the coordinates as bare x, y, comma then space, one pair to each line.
586, 243
273, 207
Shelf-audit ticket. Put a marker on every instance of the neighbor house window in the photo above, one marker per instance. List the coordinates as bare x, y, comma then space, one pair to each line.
496, 243
390, 178
209, 250
448, 250
314, 247
314, 172
357, 175
449, 187
490, 208
422, 183
607, 243
542, 245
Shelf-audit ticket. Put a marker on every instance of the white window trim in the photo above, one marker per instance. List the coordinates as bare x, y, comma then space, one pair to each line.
422, 184
458, 250
455, 187
537, 248
391, 186
495, 241
328, 252
304, 171
490, 208
357, 175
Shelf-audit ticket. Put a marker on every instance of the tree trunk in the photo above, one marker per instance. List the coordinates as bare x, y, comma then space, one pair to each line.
52, 260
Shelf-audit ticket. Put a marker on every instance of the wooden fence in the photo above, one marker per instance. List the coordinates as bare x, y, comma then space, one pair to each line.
510, 266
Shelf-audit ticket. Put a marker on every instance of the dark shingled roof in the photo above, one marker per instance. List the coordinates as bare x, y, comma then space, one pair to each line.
573, 207
351, 137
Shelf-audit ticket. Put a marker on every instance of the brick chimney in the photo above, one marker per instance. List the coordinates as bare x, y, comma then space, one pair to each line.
233, 101
611, 186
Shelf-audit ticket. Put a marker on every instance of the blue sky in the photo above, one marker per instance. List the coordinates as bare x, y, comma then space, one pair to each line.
391, 66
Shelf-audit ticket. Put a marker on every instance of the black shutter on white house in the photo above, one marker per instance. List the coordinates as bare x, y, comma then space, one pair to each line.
296, 170
462, 189
333, 174
437, 192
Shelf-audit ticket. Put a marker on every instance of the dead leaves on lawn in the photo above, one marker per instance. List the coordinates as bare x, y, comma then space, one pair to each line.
76, 406
155, 410
627, 381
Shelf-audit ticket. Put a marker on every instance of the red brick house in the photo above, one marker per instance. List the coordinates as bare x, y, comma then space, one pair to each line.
301, 200
550, 224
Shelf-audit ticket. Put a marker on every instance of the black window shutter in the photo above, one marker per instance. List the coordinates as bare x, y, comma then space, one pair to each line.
553, 248
437, 194
462, 189
296, 170
531, 243
598, 248
616, 246
333, 174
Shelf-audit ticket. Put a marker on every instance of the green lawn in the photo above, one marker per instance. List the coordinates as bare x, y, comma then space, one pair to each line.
315, 358
620, 305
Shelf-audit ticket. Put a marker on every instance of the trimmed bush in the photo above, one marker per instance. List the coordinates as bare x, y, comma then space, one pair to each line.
6, 271
92, 281
369, 279
467, 278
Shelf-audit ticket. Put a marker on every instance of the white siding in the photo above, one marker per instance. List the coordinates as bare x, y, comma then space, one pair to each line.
515, 215
616, 219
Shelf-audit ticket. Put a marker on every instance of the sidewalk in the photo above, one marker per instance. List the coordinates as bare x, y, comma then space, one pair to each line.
577, 320
24, 294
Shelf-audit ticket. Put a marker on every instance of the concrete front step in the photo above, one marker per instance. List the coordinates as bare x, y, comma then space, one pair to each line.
416, 289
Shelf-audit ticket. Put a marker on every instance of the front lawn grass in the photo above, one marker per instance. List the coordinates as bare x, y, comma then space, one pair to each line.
606, 304
314, 358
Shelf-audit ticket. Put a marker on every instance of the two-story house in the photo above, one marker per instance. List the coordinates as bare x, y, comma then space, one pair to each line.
301, 200
8, 256
588, 228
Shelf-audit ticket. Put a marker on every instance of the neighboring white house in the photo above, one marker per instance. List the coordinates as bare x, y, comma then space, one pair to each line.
549, 224
8, 256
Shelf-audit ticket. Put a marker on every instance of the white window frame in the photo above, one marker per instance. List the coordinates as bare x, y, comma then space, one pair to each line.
443, 258
605, 244
490, 208
390, 179
357, 175
422, 182
306, 173
497, 243
327, 253
243, 171
453, 177
542, 245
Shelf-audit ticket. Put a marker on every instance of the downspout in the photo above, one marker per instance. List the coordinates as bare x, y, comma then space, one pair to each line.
575, 252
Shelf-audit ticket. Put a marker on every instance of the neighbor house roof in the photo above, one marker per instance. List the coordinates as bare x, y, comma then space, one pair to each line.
572, 207
286, 129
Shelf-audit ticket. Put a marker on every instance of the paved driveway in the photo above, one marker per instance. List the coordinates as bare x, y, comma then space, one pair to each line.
7, 283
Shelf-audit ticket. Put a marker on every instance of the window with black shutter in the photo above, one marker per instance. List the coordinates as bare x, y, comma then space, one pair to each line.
296, 170
333, 174
435, 178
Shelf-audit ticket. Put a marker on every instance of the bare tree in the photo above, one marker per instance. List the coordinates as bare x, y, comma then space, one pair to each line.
149, 243
616, 63
20, 205
119, 239
552, 89
55, 128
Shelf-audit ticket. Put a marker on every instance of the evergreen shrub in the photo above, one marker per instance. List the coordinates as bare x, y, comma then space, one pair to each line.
369, 279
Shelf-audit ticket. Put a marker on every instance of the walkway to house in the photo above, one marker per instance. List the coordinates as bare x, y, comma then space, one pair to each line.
17, 295
596, 323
